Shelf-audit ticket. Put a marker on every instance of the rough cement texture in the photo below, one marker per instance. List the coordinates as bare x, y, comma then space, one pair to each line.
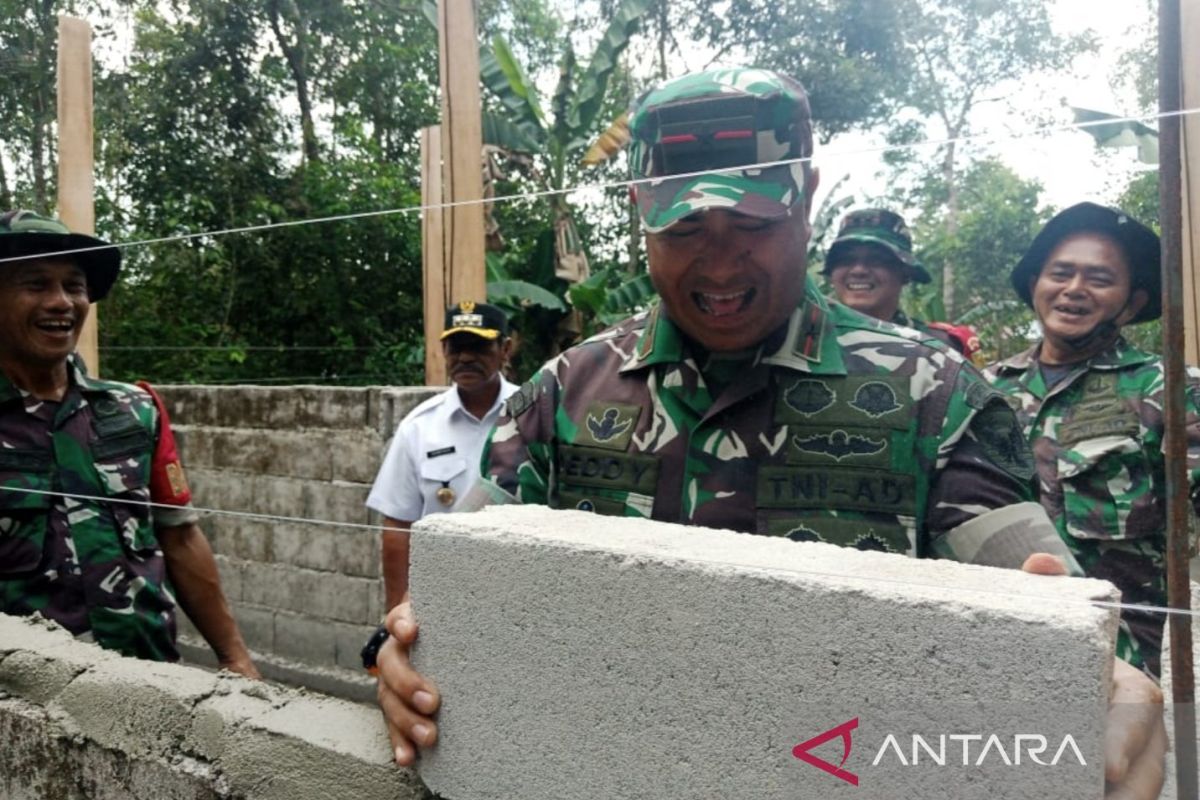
582, 657
80, 723
306, 596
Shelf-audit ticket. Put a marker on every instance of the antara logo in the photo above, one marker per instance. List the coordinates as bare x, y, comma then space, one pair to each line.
1025, 746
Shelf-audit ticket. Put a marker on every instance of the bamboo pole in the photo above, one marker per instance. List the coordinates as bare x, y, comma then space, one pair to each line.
432, 262
462, 148
1174, 411
76, 206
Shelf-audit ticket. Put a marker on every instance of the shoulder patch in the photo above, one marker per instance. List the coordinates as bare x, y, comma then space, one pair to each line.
995, 428
522, 399
809, 396
875, 398
979, 394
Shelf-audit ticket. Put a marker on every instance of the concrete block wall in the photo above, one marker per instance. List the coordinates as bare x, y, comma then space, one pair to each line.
582, 657
306, 595
81, 723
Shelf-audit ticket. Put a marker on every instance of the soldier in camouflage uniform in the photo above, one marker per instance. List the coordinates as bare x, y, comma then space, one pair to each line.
871, 261
80, 459
1091, 404
745, 400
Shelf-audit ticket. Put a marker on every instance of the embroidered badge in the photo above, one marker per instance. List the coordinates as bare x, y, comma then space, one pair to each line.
585, 505
521, 400
875, 399
176, 479
609, 425
809, 397
839, 444
803, 534
869, 541
980, 394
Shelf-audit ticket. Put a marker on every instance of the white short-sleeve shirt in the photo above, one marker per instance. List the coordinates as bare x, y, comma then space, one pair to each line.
438, 445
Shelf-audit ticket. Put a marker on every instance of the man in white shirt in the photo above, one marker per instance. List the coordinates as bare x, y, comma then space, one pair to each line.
433, 459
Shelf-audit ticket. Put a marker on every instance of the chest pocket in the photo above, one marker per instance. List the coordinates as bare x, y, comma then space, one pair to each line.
24, 515
1106, 485
443, 469
121, 457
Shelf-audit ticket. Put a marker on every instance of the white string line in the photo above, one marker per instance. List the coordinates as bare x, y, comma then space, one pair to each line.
1019, 135
362, 526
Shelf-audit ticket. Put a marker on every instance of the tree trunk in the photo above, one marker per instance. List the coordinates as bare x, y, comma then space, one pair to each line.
951, 179
297, 58
6, 200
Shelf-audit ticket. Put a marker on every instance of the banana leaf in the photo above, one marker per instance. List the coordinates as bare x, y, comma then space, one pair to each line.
503, 132
524, 293
589, 97
495, 75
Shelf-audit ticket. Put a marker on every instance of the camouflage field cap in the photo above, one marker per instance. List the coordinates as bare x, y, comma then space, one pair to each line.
1141, 246
480, 319
713, 121
24, 233
881, 227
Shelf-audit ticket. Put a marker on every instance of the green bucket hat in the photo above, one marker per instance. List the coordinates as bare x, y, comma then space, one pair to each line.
718, 120
1141, 245
881, 227
24, 233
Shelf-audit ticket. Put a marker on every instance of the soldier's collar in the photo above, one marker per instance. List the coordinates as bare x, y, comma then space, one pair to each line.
1121, 354
8, 389
811, 343
660, 343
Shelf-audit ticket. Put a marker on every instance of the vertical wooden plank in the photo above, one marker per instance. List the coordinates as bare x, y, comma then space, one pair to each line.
1190, 151
75, 176
433, 265
462, 148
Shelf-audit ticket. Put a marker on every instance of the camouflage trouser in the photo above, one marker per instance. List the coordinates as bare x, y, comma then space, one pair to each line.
1138, 568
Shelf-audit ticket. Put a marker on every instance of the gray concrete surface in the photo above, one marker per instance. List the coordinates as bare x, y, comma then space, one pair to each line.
305, 595
586, 657
1169, 787
80, 723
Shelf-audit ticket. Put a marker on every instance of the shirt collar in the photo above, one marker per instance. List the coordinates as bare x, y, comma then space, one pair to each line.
1118, 355
78, 377
810, 344
452, 402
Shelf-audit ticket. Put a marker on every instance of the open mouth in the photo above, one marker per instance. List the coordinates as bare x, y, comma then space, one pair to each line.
56, 327
1069, 310
860, 286
724, 304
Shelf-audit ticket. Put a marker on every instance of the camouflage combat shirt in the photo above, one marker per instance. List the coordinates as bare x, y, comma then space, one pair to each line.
840, 428
89, 564
919, 326
1097, 439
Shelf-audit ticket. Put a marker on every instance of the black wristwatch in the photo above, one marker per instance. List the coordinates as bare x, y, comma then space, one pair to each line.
370, 650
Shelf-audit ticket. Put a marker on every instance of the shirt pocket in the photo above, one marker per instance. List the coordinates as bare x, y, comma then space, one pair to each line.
123, 475
1103, 481
26, 479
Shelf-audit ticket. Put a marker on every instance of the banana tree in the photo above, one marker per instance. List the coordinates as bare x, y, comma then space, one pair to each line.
548, 145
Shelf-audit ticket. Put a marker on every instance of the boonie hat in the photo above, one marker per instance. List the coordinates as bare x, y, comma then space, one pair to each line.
715, 120
480, 319
1141, 246
881, 227
24, 233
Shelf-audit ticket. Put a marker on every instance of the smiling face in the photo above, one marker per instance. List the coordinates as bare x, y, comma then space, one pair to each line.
867, 278
1084, 282
43, 304
728, 280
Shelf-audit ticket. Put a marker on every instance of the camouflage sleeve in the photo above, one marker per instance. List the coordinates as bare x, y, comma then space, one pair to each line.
984, 461
518, 456
1193, 437
168, 484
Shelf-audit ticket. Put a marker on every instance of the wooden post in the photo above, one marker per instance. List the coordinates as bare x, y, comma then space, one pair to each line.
1190, 150
75, 169
462, 152
432, 262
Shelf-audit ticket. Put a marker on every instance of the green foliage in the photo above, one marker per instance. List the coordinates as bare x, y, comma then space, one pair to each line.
997, 219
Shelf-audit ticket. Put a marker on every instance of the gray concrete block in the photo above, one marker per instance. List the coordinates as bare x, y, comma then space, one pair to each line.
230, 571
190, 405
240, 537
224, 491
356, 456
356, 552
304, 638
141, 708
321, 594
280, 497
215, 717
286, 754
309, 546
1169, 791
349, 640
257, 624
582, 656
337, 502
398, 401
